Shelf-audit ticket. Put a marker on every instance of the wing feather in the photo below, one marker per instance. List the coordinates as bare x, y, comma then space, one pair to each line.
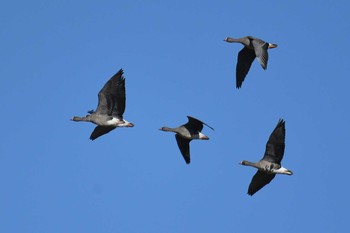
244, 61
100, 130
275, 145
259, 180
184, 146
260, 48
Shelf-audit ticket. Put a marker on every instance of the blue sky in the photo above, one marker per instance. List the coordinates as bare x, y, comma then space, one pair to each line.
57, 55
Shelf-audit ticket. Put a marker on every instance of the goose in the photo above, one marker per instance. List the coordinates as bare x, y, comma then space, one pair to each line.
110, 108
253, 48
270, 164
186, 133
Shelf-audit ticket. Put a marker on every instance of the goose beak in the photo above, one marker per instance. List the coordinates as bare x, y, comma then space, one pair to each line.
130, 125
229, 39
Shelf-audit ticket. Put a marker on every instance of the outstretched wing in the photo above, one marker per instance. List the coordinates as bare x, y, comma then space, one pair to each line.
104, 103
184, 146
118, 94
99, 131
260, 48
111, 98
259, 180
275, 145
245, 59
196, 124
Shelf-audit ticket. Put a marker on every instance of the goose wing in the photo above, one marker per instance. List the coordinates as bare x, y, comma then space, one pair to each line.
111, 98
100, 130
275, 145
259, 180
184, 146
260, 48
117, 94
104, 103
244, 61
195, 124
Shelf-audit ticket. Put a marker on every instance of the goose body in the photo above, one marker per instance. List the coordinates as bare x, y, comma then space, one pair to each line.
270, 164
253, 48
184, 134
110, 108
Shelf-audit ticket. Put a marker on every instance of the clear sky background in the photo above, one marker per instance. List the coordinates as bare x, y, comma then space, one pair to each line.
57, 55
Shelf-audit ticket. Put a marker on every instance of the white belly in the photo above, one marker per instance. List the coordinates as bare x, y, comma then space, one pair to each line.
114, 121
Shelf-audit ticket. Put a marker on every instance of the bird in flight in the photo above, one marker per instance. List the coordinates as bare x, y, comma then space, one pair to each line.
253, 48
270, 164
110, 108
186, 133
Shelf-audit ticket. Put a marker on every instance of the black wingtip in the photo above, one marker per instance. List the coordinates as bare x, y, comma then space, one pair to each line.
120, 73
281, 121
92, 138
250, 193
210, 127
190, 117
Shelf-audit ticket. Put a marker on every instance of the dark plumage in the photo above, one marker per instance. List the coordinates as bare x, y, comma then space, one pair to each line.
185, 133
270, 164
110, 108
253, 48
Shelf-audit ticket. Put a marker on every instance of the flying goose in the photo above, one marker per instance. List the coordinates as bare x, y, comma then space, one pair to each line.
253, 48
110, 108
270, 164
185, 133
